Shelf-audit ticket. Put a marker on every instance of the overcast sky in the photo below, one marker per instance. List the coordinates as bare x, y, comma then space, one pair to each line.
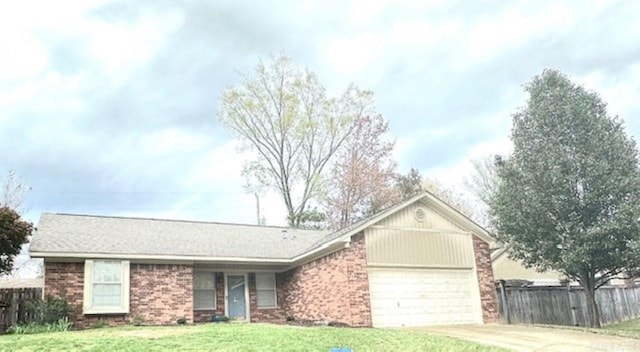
109, 107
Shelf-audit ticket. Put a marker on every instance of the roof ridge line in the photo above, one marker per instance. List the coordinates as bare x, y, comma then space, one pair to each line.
183, 221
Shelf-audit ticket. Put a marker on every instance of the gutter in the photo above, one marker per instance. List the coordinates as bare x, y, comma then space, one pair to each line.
36, 254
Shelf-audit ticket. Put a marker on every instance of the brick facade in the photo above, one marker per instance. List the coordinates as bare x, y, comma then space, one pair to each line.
162, 293
334, 288
159, 293
486, 284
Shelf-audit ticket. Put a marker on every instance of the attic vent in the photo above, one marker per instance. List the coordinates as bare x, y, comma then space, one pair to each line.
420, 214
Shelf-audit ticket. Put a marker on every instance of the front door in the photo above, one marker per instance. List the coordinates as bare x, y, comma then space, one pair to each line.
236, 297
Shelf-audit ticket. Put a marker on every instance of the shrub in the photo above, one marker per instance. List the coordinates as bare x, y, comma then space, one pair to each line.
48, 311
98, 324
138, 320
182, 321
224, 319
34, 328
290, 318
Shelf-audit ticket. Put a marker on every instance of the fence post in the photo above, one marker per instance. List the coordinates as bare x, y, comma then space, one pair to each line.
13, 305
572, 308
13, 309
505, 303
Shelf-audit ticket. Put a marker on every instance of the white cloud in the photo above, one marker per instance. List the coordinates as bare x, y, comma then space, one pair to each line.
354, 54
21, 57
173, 140
122, 47
220, 166
619, 91
431, 65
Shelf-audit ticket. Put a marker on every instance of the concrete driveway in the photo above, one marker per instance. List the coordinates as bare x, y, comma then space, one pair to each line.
531, 338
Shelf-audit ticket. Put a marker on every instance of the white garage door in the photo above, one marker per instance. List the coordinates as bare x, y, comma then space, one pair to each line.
419, 297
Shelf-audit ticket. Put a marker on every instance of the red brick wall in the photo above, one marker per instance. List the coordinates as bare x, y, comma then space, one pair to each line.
334, 288
488, 297
159, 293
162, 293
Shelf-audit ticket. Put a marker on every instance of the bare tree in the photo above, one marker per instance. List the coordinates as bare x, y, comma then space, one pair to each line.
362, 177
412, 183
14, 191
452, 197
284, 115
483, 180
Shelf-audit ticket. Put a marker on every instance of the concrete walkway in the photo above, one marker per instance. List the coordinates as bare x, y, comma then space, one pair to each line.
531, 338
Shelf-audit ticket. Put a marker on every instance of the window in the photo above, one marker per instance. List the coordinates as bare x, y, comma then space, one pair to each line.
106, 286
204, 290
266, 290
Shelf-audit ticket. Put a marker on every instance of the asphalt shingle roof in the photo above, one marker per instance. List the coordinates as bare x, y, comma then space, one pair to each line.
69, 233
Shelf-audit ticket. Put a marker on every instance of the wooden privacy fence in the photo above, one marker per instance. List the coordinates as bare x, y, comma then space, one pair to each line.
13, 305
565, 305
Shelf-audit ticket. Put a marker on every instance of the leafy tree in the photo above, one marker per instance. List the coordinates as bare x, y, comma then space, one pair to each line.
284, 115
569, 196
413, 183
362, 176
313, 219
13, 234
410, 184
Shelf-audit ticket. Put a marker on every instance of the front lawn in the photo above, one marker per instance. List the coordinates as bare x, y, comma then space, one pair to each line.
629, 328
236, 337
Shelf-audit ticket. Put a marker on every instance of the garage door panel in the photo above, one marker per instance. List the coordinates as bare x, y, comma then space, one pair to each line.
418, 297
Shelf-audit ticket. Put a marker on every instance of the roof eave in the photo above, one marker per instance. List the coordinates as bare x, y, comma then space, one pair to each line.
347, 235
179, 258
474, 228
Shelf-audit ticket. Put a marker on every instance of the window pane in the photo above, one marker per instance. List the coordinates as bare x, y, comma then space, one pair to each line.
106, 271
106, 295
266, 298
204, 293
203, 281
204, 299
265, 281
266, 290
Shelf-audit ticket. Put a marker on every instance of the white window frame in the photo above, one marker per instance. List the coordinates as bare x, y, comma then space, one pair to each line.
88, 307
215, 293
273, 290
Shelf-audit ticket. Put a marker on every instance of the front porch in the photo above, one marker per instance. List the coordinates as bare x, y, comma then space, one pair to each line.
244, 295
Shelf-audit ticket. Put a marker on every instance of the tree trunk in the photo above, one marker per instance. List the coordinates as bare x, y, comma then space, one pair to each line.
592, 307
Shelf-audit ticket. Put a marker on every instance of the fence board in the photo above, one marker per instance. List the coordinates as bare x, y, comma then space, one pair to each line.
562, 305
13, 305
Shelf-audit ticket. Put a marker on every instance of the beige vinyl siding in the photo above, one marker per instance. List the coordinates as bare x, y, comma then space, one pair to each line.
433, 219
508, 269
401, 240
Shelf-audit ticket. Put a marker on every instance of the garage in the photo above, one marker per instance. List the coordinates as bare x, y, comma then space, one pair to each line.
420, 297
422, 270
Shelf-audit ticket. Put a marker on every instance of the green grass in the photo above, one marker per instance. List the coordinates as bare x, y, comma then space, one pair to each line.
236, 337
629, 328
